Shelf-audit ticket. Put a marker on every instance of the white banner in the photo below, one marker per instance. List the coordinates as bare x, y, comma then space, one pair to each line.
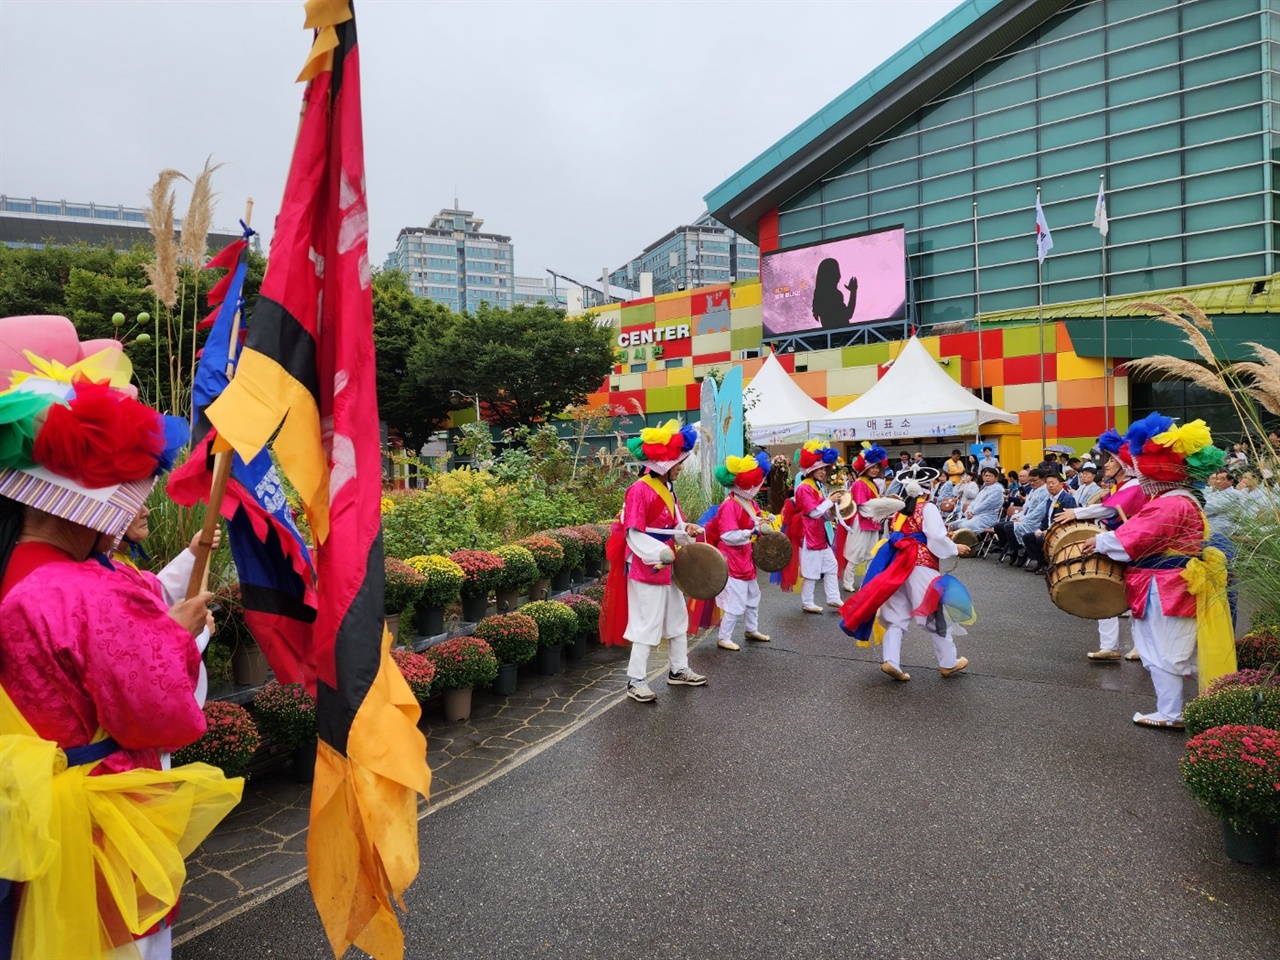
780, 433
901, 428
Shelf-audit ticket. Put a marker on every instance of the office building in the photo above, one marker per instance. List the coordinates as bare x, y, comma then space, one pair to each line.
452, 261
35, 223
698, 254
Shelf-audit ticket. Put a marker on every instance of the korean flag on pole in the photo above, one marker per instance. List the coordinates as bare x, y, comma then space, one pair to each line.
1044, 239
1100, 213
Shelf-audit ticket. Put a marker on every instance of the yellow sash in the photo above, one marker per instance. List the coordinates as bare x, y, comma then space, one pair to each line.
63, 830
664, 493
1206, 578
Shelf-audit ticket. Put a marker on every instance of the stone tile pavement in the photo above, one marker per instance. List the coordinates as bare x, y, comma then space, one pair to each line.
261, 849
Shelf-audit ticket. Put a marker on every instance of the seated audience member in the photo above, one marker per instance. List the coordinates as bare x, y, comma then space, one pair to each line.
968, 492
1023, 519
1060, 499
1222, 502
1237, 454
1088, 491
983, 513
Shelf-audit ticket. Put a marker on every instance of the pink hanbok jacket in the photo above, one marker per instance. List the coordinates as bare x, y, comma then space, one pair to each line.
1170, 524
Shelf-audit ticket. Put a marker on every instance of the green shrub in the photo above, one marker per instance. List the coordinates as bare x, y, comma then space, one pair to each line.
519, 570
557, 623
1233, 704
513, 636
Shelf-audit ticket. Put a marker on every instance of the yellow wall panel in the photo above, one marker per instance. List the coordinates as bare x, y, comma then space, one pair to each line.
931, 344
850, 380
630, 381
747, 295
746, 316
1026, 396
836, 401
712, 343
680, 376
1120, 391
823, 359
1071, 367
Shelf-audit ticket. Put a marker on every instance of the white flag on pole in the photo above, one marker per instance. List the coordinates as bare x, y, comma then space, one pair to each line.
1100, 213
1044, 239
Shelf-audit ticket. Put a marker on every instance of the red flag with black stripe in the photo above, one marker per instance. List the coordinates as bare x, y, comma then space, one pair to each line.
306, 376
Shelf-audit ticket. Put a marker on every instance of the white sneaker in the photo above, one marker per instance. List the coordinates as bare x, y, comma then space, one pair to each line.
1133, 655
727, 645
686, 678
834, 604
639, 691
811, 608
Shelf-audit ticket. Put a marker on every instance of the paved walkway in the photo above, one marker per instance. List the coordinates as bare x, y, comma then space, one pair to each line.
801, 805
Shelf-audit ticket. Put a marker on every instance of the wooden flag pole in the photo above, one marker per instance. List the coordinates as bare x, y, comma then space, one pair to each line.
199, 581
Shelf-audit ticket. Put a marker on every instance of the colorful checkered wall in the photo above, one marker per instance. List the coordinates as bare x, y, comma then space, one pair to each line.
660, 370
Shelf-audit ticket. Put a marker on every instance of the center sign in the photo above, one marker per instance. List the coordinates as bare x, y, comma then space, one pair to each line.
655, 335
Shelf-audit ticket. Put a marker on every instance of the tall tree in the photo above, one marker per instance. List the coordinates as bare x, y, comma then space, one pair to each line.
407, 332
527, 364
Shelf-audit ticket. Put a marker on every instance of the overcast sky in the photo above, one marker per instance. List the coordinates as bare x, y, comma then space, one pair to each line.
585, 130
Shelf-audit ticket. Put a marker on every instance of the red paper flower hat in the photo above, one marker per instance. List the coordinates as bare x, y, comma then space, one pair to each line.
74, 442
661, 448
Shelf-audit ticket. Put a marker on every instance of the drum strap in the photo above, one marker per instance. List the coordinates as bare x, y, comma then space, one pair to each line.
1169, 562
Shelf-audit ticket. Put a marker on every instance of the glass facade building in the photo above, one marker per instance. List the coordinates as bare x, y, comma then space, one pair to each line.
454, 262
1170, 103
35, 223
692, 255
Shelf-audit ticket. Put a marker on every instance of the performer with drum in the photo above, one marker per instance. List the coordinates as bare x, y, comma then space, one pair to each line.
857, 537
650, 605
1125, 499
813, 508
1176, 585
903, 583
739, 521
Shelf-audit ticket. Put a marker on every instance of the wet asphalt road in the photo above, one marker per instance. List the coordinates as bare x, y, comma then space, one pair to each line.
803, 805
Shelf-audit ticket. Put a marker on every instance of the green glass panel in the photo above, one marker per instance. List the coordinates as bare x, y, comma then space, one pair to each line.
1071, 50
1226, 243
1233, 33
1144, 143
1233, 269
1225, 183
1144, 86
1021, 90
841, 187
1079, 183
883, 201
787, 241
895, 174
1149, 23
1015, 67
937, 288
946, 311
999, 149
945, 111
1082, 289
1013, 252
1004, 200
943, 188
888, 151
1072, 233
1007, 299
850, 209
1077, 18
1147, 170
1143, 281
1022, 170
1146, 256
1022, 117
952, 235
1209, 12
1015, 222
949, 261
942, 138
1149, 114
1166, 223
1074, 104
1219, 155
837, 231
909, 218
1226, 95
1220, 126
1080, 157
1072, 266
790, 221
934, 164
1224, 213
947, 211
1068, 132
1149, 56
1139, 200
1235, 63
856, 163
1074, 76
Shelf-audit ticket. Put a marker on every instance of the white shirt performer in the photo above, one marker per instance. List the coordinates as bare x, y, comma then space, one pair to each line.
640, 592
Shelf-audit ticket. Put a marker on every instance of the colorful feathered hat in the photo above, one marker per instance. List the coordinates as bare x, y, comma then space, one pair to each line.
74, 442
744, 474
814, 455
871, 455
661, 448
1113, 444
1168, 453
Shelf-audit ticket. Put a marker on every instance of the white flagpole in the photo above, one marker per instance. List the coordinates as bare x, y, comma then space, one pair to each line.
1106, 372
1044, 426
977, 304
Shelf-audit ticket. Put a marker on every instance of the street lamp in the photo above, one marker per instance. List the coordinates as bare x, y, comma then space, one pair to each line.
467, 396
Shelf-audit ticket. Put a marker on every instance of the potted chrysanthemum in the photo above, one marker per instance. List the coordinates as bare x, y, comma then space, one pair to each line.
592, 548
480, 571
404, 585
549, 556
286, 713
571, 572
519, 571
514, 639
1232, 771
557, 625
1257, 647
444, 583
587, 612
229, 741
461, 664
418, 672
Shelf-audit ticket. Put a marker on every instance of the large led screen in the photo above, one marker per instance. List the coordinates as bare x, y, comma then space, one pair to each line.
835, 284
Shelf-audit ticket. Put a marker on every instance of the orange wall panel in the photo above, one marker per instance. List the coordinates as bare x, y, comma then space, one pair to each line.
654, 378
1073, 394
813, 382
677, 309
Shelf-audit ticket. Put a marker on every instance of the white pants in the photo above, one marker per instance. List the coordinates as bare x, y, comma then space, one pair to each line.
858, 547
896, 613
1109, 634
818, 565
655, 612
740, 598
1167, 646
157, 946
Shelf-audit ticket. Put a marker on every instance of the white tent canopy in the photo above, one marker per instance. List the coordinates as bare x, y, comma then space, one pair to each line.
915, 398
777, 408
